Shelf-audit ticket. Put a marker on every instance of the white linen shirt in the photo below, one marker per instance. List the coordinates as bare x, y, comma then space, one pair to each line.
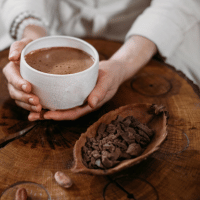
173, 25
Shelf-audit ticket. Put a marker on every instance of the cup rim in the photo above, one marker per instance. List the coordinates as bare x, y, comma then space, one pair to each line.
60, 75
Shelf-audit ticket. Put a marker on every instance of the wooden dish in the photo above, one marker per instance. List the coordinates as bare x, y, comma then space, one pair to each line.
152, 115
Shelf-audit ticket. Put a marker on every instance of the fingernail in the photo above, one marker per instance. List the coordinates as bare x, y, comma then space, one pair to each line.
24, 87
13, 54
45, 116
31, 101
94, 101
34, 108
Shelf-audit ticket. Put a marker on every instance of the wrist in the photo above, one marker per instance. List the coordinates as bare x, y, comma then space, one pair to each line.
118, 69
34, 32
134, 54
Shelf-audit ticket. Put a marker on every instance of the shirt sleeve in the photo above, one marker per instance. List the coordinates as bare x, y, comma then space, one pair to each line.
10, 9
165, 22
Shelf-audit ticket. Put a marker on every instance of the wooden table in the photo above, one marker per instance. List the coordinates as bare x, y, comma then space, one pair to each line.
172, 173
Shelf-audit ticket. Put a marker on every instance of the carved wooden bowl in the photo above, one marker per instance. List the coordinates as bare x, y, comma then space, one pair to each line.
154, 116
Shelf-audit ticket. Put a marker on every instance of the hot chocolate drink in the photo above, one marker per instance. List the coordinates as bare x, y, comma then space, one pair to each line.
59, 60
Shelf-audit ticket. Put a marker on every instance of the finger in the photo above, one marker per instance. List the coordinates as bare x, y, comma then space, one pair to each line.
17, 63
34, 116
100, 90
16, 49
22, 96
29, 107
12, 74
71, 114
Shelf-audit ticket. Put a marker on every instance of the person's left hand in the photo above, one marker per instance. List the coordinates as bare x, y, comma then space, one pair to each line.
109, 79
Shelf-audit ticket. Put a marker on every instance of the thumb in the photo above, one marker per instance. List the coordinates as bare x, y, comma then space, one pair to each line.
97, 95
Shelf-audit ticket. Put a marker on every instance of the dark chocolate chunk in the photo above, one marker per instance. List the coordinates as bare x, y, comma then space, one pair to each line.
108, 163
144, 135
127, 121
98, 163
134, 149
100, 131
109, 146
86, 157
143, 143
111, 129
124, 135
95, 154
116, 154
117, 120
92, 163
121, 145
96, 147
125, 155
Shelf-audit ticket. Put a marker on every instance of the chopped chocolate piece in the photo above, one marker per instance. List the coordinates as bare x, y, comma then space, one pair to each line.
104, 141
108, 163
96, 147
138, 138
131, 136
98, 163
101, 130
134, 149
127, 121
131, 130
86, 157
143, 127
125, 155
121, 145
134, 123
112, 137
105, 153
92, 163
116, 154
109, 146
89, 152
144, 135
117, 120
146, 129
121, 127
105, 134
100, 145
143, 143
92, 160
84, 149
96, 154
93, 140
88, 143
111, 129
124, 135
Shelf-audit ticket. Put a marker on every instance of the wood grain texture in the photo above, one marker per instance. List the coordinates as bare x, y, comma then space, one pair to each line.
170, 173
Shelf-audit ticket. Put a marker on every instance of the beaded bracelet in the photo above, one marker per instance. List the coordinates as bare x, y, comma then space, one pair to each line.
21, 19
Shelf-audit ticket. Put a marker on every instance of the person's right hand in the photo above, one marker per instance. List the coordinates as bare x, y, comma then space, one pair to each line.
20, 89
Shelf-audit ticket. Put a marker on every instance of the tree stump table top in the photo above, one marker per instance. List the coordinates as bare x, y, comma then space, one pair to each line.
172, 172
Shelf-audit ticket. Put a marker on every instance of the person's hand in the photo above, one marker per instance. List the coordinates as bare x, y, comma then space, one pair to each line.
109, 79
20, 89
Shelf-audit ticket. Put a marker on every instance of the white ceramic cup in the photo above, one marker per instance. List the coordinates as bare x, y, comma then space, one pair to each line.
57, 92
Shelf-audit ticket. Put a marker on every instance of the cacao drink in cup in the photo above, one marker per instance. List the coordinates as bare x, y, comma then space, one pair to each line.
62, 70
